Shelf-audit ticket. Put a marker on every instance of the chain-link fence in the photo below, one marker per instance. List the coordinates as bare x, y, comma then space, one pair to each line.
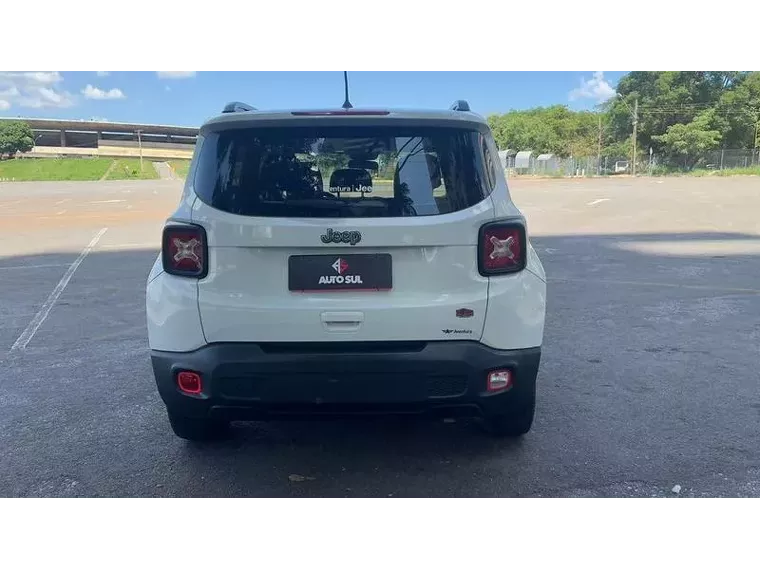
729, 159
647, 164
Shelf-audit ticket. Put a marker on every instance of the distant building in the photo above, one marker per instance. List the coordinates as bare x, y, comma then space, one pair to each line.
523, 161
54, 137
547, 164
507, 158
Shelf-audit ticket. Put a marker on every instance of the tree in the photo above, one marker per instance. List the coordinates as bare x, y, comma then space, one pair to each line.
556, 129
681, 116
690, 141
738, 113
15, 136
666, 98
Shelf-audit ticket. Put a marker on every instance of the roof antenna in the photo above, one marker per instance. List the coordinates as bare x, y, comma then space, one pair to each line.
346, 104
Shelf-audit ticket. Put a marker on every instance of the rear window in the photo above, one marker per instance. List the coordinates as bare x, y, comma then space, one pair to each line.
341, 171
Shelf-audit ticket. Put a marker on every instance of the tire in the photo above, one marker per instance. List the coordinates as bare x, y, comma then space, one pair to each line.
515, 422
194, 429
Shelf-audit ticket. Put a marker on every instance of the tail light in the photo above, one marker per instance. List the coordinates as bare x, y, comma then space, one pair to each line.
184, 251
502, 248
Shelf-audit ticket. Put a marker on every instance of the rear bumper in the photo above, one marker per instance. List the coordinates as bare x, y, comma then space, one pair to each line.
260, 381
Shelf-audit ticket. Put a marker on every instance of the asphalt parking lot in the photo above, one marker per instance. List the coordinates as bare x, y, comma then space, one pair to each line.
649, 376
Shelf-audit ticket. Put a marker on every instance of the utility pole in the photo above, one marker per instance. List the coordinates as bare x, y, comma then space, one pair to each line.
635, 116
635, 130
139, 144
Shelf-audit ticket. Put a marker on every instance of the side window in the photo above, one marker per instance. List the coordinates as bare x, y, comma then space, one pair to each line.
196, 157
488, 162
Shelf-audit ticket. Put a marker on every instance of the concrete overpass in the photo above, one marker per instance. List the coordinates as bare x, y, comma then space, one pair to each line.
55, 137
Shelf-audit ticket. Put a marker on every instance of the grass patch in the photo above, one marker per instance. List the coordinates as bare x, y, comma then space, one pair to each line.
53, 169
129, 169
703, 172
753, 171
180, 167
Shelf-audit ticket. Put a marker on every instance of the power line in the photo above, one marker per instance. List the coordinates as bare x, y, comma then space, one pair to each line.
717, 112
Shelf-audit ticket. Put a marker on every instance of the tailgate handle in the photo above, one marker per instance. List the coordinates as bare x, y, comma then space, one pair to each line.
342, 321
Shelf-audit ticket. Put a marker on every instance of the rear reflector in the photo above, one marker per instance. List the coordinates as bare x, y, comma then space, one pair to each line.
502, 248
189, 382
184, 250
499, 380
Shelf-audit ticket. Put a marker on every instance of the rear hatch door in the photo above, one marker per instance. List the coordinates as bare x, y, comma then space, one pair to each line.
342, 233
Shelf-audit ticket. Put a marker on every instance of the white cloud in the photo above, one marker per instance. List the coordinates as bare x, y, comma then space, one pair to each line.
102, 73
42, 77
596, 88
50, 96
175, 70
4, 105
11, 91
33, 89
91, 92
98, 119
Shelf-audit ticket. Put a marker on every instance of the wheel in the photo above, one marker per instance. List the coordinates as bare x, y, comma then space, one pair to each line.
194, 429
516, 421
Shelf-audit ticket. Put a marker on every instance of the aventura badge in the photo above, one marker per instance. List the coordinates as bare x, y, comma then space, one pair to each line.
350, 237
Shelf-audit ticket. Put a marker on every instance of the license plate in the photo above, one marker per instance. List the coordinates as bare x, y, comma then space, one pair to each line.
319, 273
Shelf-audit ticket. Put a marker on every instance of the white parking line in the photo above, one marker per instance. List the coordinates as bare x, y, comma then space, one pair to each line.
62, 212
62, 201
39, 318
109, 201
598, 201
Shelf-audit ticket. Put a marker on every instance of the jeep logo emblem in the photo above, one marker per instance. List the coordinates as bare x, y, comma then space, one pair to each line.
350, 237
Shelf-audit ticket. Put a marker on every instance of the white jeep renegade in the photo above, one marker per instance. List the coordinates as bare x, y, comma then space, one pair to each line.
345, 261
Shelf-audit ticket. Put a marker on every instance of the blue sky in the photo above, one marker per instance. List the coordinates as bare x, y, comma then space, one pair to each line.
189, 98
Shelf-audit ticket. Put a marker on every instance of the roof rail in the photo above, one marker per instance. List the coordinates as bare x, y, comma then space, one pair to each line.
460, 105
237, 107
